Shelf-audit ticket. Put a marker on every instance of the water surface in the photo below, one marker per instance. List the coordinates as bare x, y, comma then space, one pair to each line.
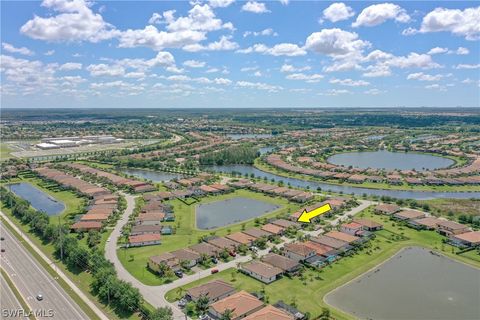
384, 159
238, 136
414, 284
221, 213
155, 176
38, 199
299, 183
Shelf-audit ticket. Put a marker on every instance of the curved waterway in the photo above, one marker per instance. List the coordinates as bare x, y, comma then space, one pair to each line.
38, 199
155, 176
401, 194
383, 159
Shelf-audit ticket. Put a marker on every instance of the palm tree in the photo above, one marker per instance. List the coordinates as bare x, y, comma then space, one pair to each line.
202, 303
227, 315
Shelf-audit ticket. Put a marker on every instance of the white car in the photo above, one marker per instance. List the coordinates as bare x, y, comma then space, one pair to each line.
39, 297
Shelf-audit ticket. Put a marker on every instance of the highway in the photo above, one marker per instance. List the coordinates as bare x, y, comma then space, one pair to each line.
8, 301
31, 279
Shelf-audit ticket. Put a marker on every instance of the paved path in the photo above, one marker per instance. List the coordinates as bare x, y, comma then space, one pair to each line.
155, 295
31, 279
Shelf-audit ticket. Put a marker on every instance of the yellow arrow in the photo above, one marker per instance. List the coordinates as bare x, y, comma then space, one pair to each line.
306, 216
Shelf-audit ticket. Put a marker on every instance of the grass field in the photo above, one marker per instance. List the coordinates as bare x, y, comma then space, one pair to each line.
308, 294
371, 185
456, 207
4, 152
135, 259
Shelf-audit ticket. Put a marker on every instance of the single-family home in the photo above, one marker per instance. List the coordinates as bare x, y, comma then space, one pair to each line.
82, 226
241, 238
144, 229
467, 239
386, 209
257, 233
270, 313
273, 229
448, 228
343, 237
286, 264
369, 225
205, 249
322, 250
261, 271
166, 259
223, 243
427, 223
215, 290
336, 244
241, 304
405, 215
187, 258
351, 228
143, 240
298, 251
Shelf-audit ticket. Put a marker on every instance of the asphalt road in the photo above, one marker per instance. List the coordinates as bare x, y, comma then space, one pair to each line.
8, 301
31, 279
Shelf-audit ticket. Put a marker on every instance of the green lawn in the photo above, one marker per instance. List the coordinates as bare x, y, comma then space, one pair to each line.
135, 259
318, 284
4, 151
371, 185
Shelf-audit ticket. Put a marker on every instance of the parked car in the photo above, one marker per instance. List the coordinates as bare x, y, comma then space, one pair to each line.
204, 317
2, 250
182, 303
214, 260
214, 271
233, 254
2, 238
179, 273
39, 297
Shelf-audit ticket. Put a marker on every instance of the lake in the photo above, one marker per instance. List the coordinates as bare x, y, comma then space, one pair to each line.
222, 213
414, 284
38, 199
384, 159
155, 176
299, 183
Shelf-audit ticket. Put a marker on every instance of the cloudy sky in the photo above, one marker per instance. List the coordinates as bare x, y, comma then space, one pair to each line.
227, 53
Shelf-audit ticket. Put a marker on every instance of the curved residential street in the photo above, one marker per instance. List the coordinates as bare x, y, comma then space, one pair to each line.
155, 295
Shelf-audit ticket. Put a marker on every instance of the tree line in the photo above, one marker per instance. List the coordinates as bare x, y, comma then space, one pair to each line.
121, 295
242, 154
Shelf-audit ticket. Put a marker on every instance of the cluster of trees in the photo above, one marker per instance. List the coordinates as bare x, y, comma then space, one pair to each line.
242, 154
78, 257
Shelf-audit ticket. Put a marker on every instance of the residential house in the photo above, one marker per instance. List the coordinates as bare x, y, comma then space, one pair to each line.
298, 251
467, 239
336, 244
273, 229
241, 304
166, 259
82, 226
322, 250
386, 209
223, 243
143, 240
206, 249
449, 228
351, 228
270, 313
369, 225
241, 238
257, 233
343, 237
145, 229
215, 290
286, 264
427, 223
261, 271
187, 258
405, 215
285, 223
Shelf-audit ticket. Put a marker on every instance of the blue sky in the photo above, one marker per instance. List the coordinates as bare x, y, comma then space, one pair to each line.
239, 54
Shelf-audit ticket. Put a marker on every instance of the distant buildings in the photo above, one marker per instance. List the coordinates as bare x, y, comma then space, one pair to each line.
69, 142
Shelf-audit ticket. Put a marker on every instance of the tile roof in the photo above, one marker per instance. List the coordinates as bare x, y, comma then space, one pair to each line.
241, 303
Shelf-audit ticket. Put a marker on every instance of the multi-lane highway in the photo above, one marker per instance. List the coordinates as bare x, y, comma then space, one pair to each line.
31, 279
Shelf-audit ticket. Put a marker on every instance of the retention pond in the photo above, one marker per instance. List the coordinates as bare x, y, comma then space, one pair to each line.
38, 199
416, 283
225, 212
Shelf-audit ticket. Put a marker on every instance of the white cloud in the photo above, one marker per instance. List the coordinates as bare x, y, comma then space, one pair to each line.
437, 50
194, 63
135, 75
290, 68
413, 60
284, 2
220, 3
335, 92
281, 49
379, 70
350, 82
247, 69
75, 22
337, 12
462, 51
305, 77
49, 53
258, 85
464, 23
467, 66
155, 18
223, 44
373, 91
436, 86
10, 48
335, 42
151, 37
264, 32
257, 74
99, 70
200, 18
255, 7
420, 76
69, 66
222, 81
379, 13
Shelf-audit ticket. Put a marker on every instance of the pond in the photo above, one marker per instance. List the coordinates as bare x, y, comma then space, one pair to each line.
384, 159
38, 199
155, 176
239, 136
299, 183
222, 213
413, 284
